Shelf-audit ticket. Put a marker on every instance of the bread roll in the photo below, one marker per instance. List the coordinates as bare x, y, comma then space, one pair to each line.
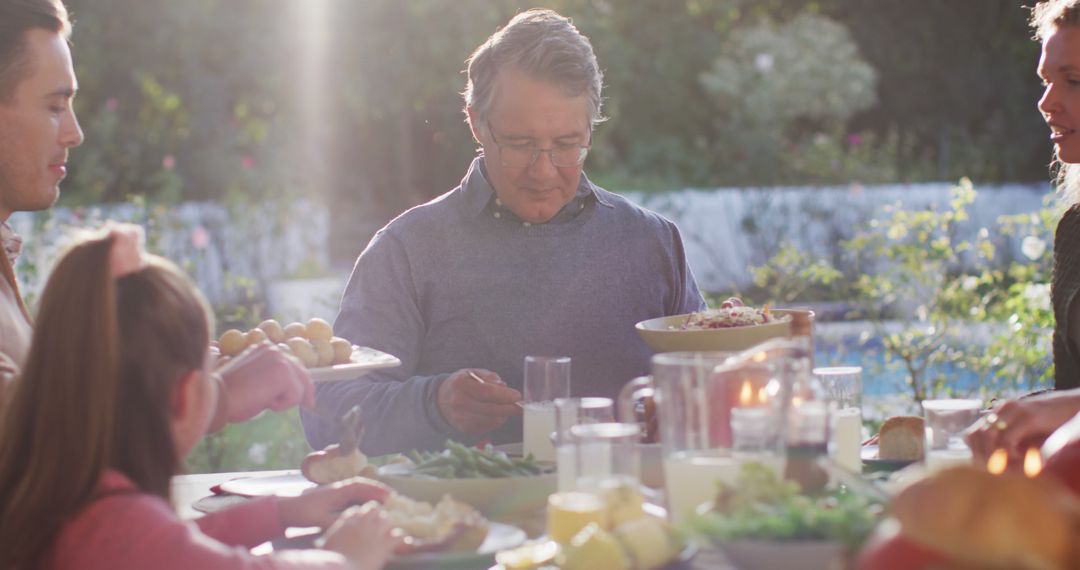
902, 438
295, 330
303, 350
318, 329
273, 330
342, 350
991, 521
324, 351
232, 342
255, 336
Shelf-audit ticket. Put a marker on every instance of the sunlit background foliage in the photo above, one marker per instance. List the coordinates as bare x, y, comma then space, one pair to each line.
356, 105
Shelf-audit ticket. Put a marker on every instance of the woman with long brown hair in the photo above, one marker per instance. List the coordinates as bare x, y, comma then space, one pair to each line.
116, 391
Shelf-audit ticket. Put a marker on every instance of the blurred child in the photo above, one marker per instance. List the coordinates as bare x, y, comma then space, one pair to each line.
116, 391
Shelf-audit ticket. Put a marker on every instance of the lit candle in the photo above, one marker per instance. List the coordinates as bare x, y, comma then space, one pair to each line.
809, 424
750, 422
998, 461
745, 393
847, 439
1032, 462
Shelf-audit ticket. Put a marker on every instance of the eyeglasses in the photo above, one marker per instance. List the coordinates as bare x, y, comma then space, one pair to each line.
524, 155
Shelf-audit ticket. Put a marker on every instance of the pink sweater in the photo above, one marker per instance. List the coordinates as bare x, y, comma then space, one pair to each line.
130, 529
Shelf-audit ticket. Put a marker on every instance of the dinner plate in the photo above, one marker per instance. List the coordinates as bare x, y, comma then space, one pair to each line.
363, 360
500, 537
682, 562
285, 485
495, 498
871, 462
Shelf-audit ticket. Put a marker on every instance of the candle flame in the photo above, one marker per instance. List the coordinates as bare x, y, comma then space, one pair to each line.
746, 394
1032, 462
796, 401
998, 461
762, 396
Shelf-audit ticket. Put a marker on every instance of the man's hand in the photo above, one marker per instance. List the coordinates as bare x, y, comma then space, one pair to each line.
264, 377
322, 505
474, 407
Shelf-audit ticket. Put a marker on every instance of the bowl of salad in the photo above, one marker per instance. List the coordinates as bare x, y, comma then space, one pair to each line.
764, 522
494, 482
732, 328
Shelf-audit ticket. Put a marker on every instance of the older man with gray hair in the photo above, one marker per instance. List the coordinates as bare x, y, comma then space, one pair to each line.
525, 257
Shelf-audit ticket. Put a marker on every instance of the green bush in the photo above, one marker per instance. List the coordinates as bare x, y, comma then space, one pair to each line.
924, 290
271, 441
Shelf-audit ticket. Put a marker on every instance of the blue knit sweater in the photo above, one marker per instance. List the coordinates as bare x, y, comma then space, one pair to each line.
460, 282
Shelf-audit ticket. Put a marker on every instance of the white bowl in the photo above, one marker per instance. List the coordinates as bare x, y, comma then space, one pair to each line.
782, 555
665, 334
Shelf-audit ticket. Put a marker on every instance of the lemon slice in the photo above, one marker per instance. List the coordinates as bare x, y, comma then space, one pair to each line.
594, 548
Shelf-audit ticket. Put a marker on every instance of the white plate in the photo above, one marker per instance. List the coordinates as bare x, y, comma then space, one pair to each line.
500, 537
364, 360
287, 485
497, 498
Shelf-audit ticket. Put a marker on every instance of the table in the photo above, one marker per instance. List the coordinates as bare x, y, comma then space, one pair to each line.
187, 489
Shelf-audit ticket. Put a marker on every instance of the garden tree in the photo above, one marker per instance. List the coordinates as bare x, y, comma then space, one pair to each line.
183, 100
779, 84
201, 99
661, 116
925, 280
956, 86
399, 136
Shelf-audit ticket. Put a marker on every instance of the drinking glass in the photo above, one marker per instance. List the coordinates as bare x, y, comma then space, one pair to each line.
844, 385
695, 398
570, 412
608, 456
946, 422
546, 378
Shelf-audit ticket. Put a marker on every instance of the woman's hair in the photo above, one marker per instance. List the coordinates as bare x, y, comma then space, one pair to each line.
543, 45
1052, 14
95, 392
16, 18
1045, 18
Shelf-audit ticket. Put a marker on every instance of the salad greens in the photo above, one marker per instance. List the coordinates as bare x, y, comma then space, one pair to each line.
764, 507
458, 461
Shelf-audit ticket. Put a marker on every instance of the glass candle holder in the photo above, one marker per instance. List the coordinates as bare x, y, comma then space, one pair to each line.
608, 455
570, 412
946, 422
844, 385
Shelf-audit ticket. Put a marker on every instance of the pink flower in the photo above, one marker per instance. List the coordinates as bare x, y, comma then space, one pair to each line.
247, 161
200, 238
111, 104
854, 140
169, 162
